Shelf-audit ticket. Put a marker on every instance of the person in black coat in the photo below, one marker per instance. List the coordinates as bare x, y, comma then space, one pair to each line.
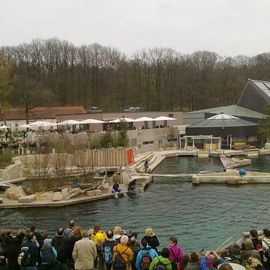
151, 239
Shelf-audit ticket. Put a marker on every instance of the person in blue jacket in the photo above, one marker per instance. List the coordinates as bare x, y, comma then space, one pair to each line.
152, 252
211, 261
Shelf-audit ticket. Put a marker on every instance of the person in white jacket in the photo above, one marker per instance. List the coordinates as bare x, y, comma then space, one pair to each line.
84, 253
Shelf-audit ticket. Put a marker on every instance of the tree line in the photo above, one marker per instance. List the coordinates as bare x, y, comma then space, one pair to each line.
55, 72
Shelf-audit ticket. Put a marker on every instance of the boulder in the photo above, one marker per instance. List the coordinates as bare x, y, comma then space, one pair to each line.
1, 200
44, 196
14, 193
27, 199
94, 192
105, 187
75, 192
57, 196
65, 193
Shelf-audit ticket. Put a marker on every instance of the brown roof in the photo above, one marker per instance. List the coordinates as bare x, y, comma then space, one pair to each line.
41, 112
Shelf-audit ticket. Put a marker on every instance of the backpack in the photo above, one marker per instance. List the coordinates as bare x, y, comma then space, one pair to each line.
47, 256
107, 254
119, 262
146, 261
160, 265
24, 257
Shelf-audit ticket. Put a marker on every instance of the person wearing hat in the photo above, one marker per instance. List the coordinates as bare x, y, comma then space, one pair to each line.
124, 252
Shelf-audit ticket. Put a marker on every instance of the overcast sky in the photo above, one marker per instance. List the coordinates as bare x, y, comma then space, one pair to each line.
228, 27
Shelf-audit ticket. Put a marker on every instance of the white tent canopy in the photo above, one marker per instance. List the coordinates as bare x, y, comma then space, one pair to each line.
91, 121
144, 119
122, 119
164, 118
25, 126
68, 123
41, 123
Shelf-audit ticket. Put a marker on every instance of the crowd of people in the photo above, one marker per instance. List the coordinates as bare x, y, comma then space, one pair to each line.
79, 249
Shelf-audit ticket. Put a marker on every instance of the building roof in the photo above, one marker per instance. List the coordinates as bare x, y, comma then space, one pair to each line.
223, 121
41, 112
255, 95
234, 110
263, 86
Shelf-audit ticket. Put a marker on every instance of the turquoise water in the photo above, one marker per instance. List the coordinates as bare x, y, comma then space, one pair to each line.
199, 216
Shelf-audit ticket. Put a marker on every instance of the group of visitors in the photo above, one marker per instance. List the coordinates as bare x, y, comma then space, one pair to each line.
79, 249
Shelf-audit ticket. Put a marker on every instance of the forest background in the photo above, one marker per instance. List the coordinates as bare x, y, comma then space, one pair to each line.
55, 72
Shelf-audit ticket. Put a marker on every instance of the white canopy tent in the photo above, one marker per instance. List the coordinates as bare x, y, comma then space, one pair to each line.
91, 121
164, 118
3, 127
41, 124
68, 123
144, 119
122, 119
25, 126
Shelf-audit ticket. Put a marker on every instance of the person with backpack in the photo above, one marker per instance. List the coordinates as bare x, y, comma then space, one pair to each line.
145, 256
162, 262
176, 253
28, 256
107, 249
48, 255
122, 255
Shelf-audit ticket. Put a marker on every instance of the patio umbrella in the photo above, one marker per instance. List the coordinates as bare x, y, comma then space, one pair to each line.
3, 127
164, 118
68, 123
91, 121
144, 119
25, 126
122, 119
40, 123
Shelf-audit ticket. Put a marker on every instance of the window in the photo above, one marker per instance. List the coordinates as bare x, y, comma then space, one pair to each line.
148, 142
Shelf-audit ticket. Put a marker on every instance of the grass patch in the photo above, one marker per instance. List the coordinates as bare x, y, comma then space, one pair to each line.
5, 159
